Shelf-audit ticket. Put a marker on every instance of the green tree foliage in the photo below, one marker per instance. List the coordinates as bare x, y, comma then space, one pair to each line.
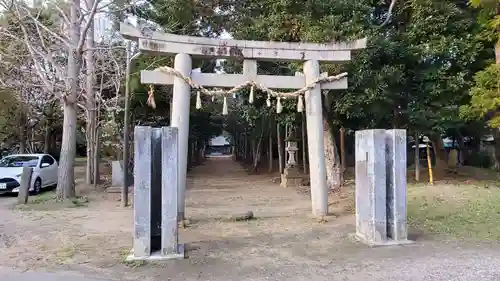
415, 73
184, 18
485, 97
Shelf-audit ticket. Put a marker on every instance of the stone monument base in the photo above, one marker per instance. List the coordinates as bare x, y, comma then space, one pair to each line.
388, 242
157, 256
291, 178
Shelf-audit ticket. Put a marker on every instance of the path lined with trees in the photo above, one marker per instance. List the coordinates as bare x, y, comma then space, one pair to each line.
429, 67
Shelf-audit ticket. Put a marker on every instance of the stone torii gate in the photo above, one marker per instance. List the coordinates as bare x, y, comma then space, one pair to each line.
183, 47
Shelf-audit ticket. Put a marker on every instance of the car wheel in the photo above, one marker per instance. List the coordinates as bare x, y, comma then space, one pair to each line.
37, 186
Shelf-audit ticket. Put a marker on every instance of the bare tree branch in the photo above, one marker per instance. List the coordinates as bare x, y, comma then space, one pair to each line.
389, 13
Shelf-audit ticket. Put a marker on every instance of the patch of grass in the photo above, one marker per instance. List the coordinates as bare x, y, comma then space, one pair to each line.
132, 264
456, 211
65, 254
46, 201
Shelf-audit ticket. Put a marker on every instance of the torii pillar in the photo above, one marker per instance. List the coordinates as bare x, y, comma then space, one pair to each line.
180, 119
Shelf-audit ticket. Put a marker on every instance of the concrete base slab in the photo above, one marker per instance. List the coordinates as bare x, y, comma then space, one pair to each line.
387, 243
157, 256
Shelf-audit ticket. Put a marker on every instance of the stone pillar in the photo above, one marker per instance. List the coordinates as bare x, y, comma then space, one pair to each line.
156, 189
170, 247
142, 191
381, 187
155, 194
396, 185
314, 120
371, 226
180, 119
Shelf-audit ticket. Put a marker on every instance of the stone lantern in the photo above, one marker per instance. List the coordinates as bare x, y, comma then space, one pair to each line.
291, 176
291, 148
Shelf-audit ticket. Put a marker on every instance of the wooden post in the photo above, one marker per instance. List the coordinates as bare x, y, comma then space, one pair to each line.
22, 196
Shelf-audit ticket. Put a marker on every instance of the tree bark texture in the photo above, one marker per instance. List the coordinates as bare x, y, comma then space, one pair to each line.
332, 159
270, 146
90, 103
66, 175
496, 136
440, 154
417, 157
281, 156
304, 144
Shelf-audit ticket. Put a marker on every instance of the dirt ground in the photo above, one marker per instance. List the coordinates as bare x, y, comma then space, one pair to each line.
283, 242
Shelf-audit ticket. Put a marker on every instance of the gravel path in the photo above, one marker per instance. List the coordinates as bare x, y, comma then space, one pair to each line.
448, 265
12, 275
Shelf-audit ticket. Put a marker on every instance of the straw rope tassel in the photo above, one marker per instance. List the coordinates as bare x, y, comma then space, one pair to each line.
279, 107
268, 101
213, 98
198, 100
224, 107
300, 104
151, 98
250, 99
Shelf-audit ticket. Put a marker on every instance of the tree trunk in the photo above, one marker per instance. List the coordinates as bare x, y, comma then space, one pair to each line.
281, 158
440, 155
332, 161
257, 152
23, 132
245, 147
304, 144
417, 157
497, 46
66, 174
97, 158
496, 141
90, 103
189, 156
461, 150
270, 146
342, 155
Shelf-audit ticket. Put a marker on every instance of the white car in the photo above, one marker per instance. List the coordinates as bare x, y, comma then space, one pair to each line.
44, 172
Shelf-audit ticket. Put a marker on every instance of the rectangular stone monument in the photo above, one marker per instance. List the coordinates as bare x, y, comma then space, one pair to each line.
156, 194
142, 192
170, 247
370, 191
381, 187
156, 188
396, 185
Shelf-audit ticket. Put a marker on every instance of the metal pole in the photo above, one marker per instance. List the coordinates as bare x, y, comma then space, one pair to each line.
126, 126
